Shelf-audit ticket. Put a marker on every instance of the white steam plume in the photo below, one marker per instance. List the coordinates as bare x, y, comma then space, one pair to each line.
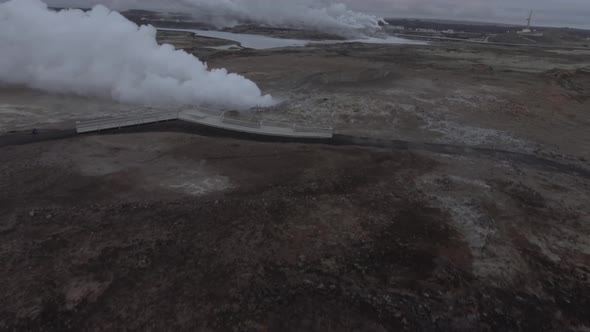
100, 53
291, 13
330, 15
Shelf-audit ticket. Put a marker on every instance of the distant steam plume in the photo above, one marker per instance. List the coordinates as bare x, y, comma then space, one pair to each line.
292, 13
100, 53
326, 15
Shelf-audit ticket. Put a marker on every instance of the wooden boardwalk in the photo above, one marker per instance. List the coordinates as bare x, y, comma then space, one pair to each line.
210, 118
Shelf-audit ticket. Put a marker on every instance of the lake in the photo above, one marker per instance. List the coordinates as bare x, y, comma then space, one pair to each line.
265, 42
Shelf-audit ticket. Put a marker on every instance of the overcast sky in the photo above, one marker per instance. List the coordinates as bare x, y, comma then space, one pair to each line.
573, 13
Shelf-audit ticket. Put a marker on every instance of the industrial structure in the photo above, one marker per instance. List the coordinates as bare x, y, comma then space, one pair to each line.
527, 31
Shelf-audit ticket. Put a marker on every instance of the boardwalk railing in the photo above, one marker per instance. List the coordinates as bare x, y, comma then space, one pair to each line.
191, 117
209, 111
209, 118
241, 123
124, 121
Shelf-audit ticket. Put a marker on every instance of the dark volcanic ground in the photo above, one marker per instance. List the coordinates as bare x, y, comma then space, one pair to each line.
466, 209
96, 235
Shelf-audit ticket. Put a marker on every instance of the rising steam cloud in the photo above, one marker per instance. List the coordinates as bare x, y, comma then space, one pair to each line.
326, 15
291, 13
100, 53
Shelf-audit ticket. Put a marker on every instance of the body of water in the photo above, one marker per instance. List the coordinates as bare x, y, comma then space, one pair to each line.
265, 42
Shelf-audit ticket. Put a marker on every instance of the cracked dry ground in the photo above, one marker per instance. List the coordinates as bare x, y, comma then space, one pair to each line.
300, 237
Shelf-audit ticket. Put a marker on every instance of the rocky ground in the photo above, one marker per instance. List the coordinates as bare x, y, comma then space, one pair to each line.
516, 99
473, 217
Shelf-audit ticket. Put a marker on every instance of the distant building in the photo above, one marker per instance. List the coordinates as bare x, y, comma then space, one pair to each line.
530, 33
397, 27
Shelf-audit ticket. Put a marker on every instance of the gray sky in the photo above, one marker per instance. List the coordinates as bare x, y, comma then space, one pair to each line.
573, 13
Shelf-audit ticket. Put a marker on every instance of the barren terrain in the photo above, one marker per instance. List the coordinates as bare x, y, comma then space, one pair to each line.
464, 207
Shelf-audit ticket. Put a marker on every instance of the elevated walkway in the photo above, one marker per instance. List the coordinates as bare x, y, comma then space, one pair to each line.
210, 118
123, 121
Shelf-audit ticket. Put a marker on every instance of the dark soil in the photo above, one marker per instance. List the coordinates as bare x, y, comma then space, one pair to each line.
311, 238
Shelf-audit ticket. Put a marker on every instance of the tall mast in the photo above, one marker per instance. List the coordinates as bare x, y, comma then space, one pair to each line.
528, 25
